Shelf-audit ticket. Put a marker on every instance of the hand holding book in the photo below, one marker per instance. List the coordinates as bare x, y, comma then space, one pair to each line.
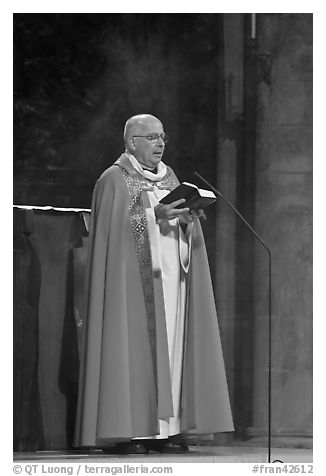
171, 210
194, 198
185, 202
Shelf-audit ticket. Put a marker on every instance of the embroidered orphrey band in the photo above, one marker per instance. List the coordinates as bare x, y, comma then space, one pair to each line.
139, 227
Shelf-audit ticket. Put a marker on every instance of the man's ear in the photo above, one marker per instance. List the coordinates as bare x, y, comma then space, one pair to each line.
131, 143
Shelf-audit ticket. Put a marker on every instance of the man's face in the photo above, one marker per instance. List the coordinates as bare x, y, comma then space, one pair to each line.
148, 153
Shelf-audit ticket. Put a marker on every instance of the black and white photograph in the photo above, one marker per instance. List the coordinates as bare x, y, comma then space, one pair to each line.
162, 241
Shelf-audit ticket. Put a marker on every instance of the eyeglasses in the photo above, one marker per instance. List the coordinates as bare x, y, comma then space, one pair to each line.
154, 138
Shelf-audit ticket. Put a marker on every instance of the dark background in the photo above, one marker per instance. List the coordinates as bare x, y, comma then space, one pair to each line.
79, 77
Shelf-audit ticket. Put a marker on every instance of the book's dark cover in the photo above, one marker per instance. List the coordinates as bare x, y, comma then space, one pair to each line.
194, 200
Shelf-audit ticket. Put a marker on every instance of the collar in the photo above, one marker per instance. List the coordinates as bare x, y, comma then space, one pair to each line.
161, 169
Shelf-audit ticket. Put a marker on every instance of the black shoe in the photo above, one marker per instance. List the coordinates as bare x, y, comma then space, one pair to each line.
153, 444
171, 447
131, 448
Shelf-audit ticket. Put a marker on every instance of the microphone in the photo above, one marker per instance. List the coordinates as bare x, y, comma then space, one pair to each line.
219, 194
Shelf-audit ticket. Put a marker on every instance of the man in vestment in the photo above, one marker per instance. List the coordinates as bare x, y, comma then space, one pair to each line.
152, 368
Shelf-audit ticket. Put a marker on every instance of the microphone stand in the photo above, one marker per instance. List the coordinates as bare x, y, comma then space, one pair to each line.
269, 305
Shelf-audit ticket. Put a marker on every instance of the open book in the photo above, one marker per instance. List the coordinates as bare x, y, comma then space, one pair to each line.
195, 197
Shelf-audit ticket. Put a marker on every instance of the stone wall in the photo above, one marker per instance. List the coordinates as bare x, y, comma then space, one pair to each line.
283, 215
264, 167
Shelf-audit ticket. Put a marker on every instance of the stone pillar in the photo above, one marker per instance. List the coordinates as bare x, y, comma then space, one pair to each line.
228, 279
283, 216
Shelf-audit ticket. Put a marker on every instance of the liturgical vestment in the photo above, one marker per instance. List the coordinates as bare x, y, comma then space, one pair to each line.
152, 363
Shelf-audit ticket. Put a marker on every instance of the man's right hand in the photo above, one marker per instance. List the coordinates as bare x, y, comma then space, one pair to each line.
169, 212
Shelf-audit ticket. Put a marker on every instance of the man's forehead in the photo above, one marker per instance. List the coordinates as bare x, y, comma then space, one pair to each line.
148, 125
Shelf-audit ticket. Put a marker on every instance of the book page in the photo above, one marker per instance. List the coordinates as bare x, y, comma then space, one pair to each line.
206, 193
190, 185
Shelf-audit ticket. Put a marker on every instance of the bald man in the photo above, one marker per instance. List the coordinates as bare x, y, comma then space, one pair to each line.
152, 370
